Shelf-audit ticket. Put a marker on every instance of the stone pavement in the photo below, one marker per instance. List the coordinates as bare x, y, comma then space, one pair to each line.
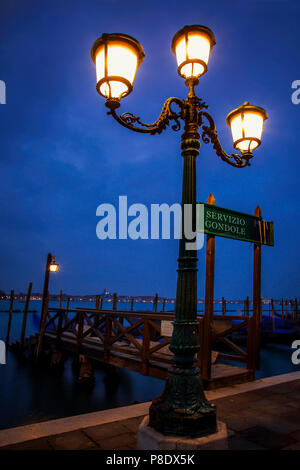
259, 419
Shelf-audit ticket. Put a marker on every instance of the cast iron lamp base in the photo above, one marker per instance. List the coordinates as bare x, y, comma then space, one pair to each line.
182, 408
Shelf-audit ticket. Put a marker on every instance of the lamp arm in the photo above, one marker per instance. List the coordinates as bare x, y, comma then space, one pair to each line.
167, 114
210, 134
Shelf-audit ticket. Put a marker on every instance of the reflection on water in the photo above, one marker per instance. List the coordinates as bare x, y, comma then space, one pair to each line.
27, 396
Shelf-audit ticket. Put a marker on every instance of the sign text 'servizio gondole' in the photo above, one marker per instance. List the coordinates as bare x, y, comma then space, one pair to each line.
232, 224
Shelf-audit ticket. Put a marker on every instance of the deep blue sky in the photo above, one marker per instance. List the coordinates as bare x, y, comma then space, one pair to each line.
61, 155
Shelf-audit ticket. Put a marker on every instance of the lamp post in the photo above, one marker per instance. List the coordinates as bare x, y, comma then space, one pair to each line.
182, 409
51, 267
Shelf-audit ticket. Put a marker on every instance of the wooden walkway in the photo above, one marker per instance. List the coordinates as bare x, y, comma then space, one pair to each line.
135, 340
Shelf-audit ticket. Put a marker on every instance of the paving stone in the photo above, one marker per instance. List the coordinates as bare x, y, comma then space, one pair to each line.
36, 444
245, 398
227, 408
295, 446
278, 424
230, 432
133, 423
270, 407
240, 422
296, 435
290, 415
123, 440
267, 438
238, 443
97, 433
293, 400
273, 398
285, 388
75, 440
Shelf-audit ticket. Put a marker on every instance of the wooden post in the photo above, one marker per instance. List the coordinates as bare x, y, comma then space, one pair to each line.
60, 299
250, 353
273, 314
11, 304
155, 301
97, 305
25, 314
145, 350
206, 342
108, 331
286, 308
223, 306
246, 306
131, 305
68, 303
79, 322
115, 302
164, 305
101, 303
256, 296
59, 325
292, 310
42, 328
46, 286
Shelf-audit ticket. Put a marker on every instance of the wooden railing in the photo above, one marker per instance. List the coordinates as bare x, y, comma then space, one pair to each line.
116, 336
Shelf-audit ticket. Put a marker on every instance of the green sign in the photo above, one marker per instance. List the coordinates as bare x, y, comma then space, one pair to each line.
214, 220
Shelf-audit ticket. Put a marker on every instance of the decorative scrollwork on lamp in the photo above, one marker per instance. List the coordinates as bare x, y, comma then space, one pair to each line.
210, 134
167, 114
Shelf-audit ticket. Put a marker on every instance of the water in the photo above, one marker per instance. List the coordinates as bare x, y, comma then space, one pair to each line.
27, 397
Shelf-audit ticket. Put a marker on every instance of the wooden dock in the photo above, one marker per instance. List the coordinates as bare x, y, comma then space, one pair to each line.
135, 340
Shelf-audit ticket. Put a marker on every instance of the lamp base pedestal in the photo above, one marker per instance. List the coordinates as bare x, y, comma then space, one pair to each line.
150, 439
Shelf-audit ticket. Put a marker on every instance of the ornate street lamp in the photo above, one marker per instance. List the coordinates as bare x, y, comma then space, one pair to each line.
53, 266
182, 409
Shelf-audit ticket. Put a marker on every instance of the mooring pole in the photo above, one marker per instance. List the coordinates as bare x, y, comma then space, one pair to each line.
155, 302
11, 304
223, 306
256, 295
209, 303
44, 305
97, 306
25, 315
273, 314
46, 285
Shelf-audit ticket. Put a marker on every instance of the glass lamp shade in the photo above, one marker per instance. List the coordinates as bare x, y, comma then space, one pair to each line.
246, 123
53, 267
117, 57
192, 46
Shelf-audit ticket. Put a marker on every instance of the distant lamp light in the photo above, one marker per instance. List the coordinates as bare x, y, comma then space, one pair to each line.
53, 267
246, 123
192, 46
117, 57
